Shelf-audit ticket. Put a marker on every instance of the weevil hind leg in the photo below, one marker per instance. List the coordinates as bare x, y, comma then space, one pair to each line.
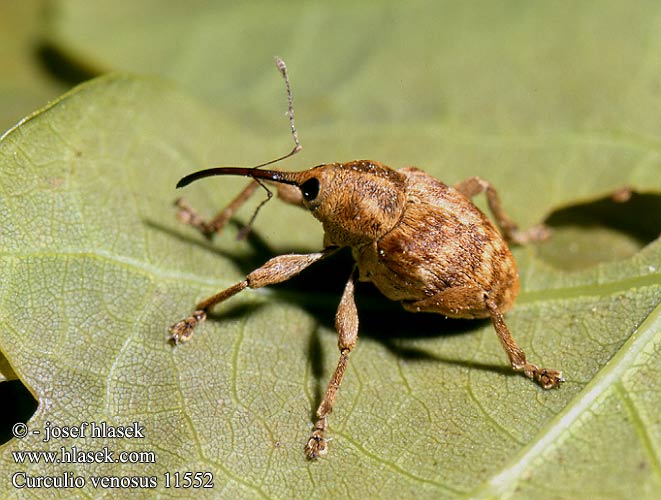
470, 302
346, 323
547, 378
475, 185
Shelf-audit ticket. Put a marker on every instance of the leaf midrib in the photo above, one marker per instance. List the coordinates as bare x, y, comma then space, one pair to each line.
606, 378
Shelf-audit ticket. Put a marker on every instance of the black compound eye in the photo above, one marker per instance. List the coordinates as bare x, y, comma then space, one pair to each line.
310, 189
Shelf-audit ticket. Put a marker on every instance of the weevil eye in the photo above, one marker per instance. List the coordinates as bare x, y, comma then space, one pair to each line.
310, 189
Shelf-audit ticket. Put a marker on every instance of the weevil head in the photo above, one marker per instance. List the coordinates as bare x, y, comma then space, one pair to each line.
357, 202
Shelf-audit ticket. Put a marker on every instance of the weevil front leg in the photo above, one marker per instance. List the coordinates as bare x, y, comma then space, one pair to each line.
475, 185
275, 270
346, 323
188, 215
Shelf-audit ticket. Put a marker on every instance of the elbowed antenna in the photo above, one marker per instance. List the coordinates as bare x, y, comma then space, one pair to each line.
254, 172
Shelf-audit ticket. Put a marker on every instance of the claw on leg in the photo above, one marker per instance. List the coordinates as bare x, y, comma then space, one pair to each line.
183, 330
547, 378
346, 323
188, 215
534, 234
316, 445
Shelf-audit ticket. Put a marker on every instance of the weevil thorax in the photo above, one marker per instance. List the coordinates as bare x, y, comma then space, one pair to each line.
357, 202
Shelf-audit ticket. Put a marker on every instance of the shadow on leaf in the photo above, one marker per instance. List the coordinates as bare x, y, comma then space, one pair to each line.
318, 290
603, 230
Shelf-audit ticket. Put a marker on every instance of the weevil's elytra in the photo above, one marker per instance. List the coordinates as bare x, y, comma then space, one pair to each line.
421, 242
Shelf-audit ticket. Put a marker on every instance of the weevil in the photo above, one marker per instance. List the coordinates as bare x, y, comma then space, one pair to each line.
419, 241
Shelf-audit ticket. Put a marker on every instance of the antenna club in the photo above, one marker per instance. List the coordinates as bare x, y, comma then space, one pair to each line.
280, 64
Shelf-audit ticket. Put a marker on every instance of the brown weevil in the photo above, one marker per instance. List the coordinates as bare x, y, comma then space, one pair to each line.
419, 241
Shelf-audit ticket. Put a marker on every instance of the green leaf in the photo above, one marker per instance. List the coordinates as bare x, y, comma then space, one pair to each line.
95, 268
